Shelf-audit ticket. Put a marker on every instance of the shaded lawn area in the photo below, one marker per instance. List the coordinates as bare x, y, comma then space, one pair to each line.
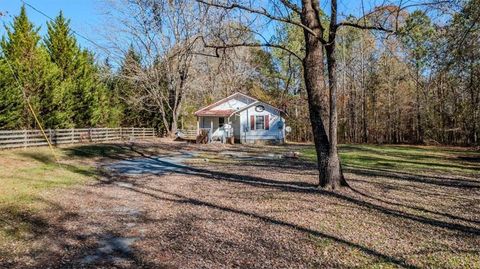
24, 175
415, 159
410, 207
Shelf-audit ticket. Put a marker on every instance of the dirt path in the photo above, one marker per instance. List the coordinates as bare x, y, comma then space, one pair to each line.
157, 211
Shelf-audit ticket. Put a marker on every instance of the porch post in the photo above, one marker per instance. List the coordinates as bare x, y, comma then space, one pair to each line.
231, 127
198, 126
211, 130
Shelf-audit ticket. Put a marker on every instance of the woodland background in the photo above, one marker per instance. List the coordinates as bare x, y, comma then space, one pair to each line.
418, 85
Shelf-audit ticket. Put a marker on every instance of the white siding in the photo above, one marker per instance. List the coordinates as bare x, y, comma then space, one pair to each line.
236, 124
241, 121
275, 132
236, 103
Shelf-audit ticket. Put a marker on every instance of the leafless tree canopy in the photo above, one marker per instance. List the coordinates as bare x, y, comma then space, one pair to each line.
340, 65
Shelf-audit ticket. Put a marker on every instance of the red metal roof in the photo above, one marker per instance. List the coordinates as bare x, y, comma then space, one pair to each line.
220, 113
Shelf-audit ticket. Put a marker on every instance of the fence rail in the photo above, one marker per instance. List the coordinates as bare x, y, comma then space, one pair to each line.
32, 138
187, 134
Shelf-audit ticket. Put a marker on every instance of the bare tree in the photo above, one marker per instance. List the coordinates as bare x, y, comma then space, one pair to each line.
319, 59
168, 29
162, 33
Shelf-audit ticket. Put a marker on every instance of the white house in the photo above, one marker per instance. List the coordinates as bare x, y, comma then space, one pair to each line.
245, 118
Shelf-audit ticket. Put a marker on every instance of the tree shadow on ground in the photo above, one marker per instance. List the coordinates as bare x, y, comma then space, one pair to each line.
453, 182
66, 248
181, 199
451, 216
296, 186
49, 160
301, 166
73, 259
114, 151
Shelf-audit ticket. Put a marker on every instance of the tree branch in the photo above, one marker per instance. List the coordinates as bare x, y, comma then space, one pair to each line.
291, 6
333, 22
245, 44
366, 27
262, 12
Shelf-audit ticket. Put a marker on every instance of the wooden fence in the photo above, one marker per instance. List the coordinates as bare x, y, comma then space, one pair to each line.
32, 138
188, 134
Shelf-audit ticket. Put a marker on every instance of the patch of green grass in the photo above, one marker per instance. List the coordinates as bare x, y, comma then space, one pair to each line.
97, 150
24, 175
415, 159
212, 158
349, 255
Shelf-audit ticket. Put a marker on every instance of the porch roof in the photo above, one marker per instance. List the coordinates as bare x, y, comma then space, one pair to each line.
215, 113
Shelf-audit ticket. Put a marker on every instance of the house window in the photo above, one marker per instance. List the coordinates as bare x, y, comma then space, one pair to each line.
221, 122
259, 123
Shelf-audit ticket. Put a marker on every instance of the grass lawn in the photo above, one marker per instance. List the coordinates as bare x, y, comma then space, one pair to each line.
408, 206
24, 176
413, 159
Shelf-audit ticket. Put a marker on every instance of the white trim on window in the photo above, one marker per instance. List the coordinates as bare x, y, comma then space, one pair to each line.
259, 122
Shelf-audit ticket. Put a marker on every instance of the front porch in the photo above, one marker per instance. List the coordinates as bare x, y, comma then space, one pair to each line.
218, 129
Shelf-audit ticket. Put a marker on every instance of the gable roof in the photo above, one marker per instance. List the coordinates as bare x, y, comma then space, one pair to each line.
257, 103
207, 111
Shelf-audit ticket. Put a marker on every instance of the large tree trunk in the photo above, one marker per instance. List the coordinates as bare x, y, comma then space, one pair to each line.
334, 171
330, 175
418, 108
313, 74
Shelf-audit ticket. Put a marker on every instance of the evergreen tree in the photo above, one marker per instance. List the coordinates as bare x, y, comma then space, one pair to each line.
63, 51
86, 102
85, 97
24, 58
129, 69
62, 46
11, 99
110, 81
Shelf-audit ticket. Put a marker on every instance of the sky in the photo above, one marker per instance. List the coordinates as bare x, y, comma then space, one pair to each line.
85, 15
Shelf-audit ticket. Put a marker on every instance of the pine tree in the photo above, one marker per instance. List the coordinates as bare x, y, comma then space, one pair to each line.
110, 80
24, 58
129, 69
92, 95
85, 97
11, 99
64, 53
62, 46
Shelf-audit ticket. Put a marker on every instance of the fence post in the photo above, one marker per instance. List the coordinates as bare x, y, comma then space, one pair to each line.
106, 135
50, 135
133, 132
143, 130
90, 134
72, 133
25, 141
